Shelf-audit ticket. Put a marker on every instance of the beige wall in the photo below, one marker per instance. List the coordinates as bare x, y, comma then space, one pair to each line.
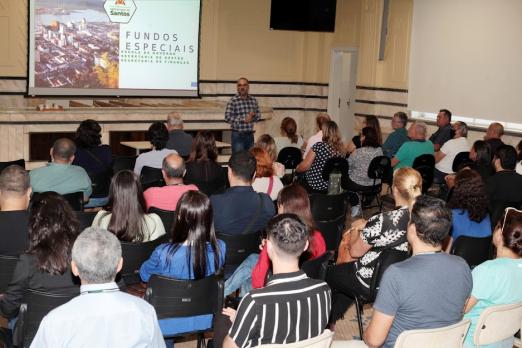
236, 40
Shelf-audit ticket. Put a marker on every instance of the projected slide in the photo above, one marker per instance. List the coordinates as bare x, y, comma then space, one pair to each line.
114, 47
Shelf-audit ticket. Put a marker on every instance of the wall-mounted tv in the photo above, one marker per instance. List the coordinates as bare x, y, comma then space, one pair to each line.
303, 15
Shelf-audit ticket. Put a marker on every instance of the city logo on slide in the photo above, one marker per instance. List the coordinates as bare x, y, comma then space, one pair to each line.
120, 11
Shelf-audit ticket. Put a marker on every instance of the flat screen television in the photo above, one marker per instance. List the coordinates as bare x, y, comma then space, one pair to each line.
303, 15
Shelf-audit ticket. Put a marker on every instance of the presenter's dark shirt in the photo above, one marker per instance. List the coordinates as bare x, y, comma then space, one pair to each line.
14, 232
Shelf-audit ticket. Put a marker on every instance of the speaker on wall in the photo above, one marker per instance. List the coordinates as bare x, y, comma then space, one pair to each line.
303, 15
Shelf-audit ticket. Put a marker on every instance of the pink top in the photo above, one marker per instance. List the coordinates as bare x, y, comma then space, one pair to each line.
317, 137
166, 197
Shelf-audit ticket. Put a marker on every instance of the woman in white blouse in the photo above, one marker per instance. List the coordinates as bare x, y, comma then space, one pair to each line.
265, 181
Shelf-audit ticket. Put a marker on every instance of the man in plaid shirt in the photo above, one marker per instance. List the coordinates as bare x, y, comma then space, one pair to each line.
242, 111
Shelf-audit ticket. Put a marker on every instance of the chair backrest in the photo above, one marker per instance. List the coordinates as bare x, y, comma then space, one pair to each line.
239, 246
496, 323
134, 254
425, 165
387, 258
317, 267
75, 199
322, 341
329, 214
460, 159
379, 167
85, 218
168, 217
151, 177
472, 249
184, 298
35, 305
100, 183
20, 162
7, 266
290, 157
448, 337
123, 162
335, 164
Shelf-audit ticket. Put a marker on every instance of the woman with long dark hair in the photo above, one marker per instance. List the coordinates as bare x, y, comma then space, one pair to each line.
202, 168
469, 204
45, 266
497, 282
480, 154
193, 253
126, 211
368, 121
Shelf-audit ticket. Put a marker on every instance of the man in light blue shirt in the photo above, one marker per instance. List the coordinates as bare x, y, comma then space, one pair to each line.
60, 175
102, 316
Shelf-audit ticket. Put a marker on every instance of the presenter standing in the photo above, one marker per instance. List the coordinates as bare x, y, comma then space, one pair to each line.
241, 113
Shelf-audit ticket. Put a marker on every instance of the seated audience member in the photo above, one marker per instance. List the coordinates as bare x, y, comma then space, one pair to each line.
480, 154
417, 146
399, 135
126, 215
158, 137
497, 282
267, 143
444, 132
367, 239
102, 316
368, 121
15, 194
277, 307
202, 168
167, 197
289, 136
60, 175
313, 164
252, 272
320, 119
360, 159
469, 207
265, 181
45, 266
241, 210
446, 155
493, 136
179, 140
92, 156
194, 253
429, 289
518, 168
506, 184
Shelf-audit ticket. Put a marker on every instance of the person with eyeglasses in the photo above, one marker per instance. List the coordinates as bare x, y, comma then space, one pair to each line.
241, 113
497, 282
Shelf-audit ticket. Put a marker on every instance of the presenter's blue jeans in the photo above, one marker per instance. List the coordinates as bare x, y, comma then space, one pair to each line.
242, 141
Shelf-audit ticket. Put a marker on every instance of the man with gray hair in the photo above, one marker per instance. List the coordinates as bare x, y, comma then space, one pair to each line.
167, 197
446, 155
493, 136
102, 316
179, 140
15, 193
417, 146
60, 175
399, 135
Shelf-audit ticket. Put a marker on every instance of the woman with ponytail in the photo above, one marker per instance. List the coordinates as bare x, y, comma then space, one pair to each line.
289, 136
364, 242
497, 282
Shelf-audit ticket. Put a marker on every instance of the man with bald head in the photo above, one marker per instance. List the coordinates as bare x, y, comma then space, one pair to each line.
167, 197
60, 175
179, 140
417, 146
493, 134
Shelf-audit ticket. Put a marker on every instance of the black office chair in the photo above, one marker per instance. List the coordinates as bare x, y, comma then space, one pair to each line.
336, 165
123, 163
7, 266
85, 218
387, 258
20, 162
460, 161
329, 214
134, 254
378, 169
317, 267
168, 217
290, 157
151, 177
425, 165
35, 306
239, 247
172, 298
75, 199
472, 249
100, 183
